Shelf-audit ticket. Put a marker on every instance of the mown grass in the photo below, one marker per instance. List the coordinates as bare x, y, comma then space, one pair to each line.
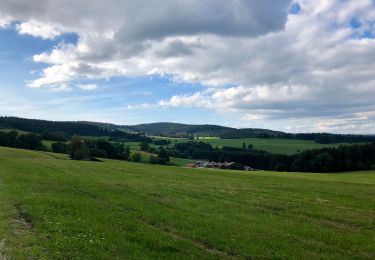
55, 208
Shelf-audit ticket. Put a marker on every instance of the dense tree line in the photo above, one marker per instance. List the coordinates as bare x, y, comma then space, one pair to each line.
80, 149
343, 158
187, 131
162, 142
191, 149
59, 147
249, 133
121, 136
326, 138
321, 138
178, 130
104, 149
201, 150
57, 131
40, 126
26, 141
54, 136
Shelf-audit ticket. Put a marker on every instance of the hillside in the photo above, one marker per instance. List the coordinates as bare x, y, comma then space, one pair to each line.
55, 208
272, 145
184, 130
86, 128
39, 126
96, 128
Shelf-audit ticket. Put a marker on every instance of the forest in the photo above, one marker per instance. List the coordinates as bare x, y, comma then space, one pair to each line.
66, 129
342, 158
111, 144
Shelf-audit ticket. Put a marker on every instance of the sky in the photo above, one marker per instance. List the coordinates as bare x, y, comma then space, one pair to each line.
294, 66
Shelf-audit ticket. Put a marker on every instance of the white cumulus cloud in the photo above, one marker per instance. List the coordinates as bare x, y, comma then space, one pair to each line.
38, 29
317, 63
87, 86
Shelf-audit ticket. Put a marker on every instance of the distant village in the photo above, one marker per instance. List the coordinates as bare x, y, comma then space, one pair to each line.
219, 165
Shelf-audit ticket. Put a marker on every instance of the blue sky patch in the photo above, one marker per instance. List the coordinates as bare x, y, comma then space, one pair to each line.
355, 23
367, 35
295, 8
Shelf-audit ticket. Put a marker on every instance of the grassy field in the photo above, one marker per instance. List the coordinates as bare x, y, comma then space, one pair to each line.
282, 146
173, 160
48, 144
134, 146
6, 130
55, 208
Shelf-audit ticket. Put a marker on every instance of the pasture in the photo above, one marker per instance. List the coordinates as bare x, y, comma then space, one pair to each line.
52, 207
272, 145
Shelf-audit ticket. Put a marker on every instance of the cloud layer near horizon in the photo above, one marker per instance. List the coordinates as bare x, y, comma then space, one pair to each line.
317, 62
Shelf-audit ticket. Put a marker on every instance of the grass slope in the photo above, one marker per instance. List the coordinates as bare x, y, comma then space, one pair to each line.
56, 208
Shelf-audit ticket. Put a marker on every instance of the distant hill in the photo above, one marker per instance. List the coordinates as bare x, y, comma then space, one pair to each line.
40, 126
186, 130
160, 129
87, 128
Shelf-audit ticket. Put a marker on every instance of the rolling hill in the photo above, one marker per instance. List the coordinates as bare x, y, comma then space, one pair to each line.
96, 129
39, 126
184, 130
86, 128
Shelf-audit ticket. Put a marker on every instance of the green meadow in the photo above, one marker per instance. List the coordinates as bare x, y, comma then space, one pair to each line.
145, 158
272, 145
279, 146
55, 208
7, 130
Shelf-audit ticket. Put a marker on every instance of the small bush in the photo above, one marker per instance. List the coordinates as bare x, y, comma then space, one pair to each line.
59, 147
136, 157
